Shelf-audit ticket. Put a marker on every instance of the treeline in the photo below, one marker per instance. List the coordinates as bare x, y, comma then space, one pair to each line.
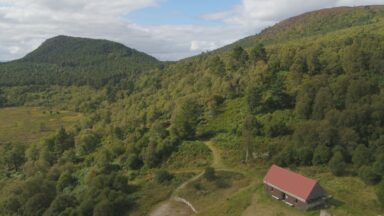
96, 75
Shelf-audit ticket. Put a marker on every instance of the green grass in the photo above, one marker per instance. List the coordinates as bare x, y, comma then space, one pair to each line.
246, 196
150, 193
190, 154
229, 119
30, 124
350, 195
226, 125
263, 204
230, 148
235, 205
210, 197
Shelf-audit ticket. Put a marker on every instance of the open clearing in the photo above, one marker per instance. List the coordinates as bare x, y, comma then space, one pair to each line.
186, 189
245, 195
30, 124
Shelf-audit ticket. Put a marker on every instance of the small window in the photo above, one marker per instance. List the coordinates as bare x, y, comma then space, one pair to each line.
271, 188
295, 200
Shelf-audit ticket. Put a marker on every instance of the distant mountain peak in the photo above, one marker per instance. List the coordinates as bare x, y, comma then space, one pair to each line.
65, 60
67, 48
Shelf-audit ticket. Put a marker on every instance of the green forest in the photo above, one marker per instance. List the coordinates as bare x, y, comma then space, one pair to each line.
307, 92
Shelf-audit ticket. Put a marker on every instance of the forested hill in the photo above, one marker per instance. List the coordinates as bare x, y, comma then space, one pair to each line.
315, 23
307, 93
67, 60
65, 50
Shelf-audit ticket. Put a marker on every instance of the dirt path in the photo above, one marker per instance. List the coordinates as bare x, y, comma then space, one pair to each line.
217, 162
252, 208
172, 207
175, 205
178, 189
178, 206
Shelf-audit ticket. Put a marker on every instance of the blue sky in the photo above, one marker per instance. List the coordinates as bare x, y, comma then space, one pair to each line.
165, 29
182, 12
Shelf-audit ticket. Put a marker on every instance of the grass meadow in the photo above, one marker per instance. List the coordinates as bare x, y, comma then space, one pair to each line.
30, 124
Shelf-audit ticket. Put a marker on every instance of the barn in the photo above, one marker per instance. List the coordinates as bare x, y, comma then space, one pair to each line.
293, 189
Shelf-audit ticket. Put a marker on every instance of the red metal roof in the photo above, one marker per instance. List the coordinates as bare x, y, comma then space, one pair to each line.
290, 182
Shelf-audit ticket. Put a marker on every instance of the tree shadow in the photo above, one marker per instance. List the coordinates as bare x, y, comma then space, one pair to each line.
207, 135
329, 204
333, 203
134, 188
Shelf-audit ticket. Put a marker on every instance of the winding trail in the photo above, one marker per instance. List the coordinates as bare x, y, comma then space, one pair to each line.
178, 206
172, 207
216, 154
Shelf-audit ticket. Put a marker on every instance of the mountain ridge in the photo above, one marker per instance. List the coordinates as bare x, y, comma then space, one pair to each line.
267, 35
335, 17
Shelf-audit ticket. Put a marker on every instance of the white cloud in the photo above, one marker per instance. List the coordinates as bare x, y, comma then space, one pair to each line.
24, 24
253, 13
14, 49
358, 2
201, 46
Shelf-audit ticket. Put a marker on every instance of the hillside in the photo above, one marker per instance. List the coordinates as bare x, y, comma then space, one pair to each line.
315, 23
67, 60
307, 94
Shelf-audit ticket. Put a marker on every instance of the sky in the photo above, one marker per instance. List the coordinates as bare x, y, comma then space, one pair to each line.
165, 29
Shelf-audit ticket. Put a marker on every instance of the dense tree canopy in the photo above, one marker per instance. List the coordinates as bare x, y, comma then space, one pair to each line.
277, 97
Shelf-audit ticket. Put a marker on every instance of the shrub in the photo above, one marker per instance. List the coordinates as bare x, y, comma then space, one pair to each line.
37, 204
163, 176
197, 186
322, 155
222, 183
65, 180
360, 156
209, 173
134, 162
103, 208
61, 203
380, 194
86, 142
337, 164
368, 175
